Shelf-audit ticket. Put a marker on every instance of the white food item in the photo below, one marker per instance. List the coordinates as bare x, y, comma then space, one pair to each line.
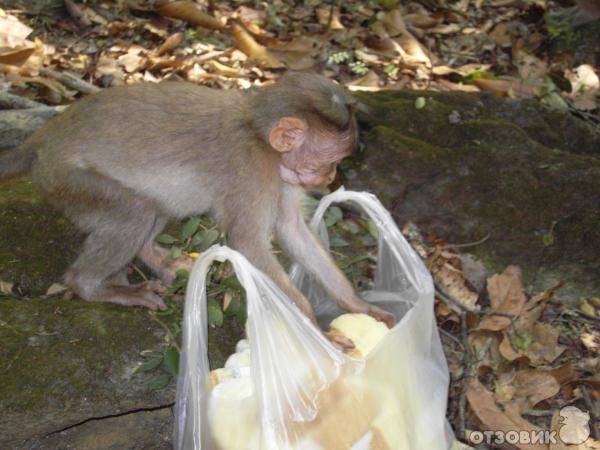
233, 415
237, 360
242, 345
363, 330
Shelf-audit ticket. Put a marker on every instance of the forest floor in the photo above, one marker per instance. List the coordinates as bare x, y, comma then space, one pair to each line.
516, 357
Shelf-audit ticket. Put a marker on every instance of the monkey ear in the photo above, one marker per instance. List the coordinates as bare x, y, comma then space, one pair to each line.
288, 134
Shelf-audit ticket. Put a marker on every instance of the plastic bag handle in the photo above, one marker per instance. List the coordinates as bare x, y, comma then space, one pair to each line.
411, 263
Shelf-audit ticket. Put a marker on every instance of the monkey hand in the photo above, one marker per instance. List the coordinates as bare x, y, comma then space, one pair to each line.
340, 342
381, 315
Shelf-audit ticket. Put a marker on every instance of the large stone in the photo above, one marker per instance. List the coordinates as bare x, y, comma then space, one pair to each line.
469, 166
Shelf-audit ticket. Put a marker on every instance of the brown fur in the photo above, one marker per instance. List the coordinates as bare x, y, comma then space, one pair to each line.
121, 162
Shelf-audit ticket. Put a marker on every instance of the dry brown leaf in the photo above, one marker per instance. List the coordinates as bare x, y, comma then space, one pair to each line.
446, 267
393, 35
421, 20
6, 287
12, 32
545, 347
246, 43
530, 386
323, 13
462, 70
448, 28
51, 90
226, 71
132, 61
501, 34
506, 88
368, 82
170, 43
591, 341
506, 297
190, 12
483, 405
16, 56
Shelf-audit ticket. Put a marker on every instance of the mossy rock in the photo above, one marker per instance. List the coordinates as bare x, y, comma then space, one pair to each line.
467, 166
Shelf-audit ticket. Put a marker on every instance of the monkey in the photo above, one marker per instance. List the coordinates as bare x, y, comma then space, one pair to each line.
122, 162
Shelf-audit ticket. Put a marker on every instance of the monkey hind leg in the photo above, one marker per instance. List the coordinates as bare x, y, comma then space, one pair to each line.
159, 260
116, 236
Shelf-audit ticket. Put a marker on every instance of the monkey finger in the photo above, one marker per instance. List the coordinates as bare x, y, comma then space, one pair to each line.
381, 315
340, 342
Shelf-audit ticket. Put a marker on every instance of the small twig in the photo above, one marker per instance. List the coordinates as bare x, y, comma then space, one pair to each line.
70, 81
451, 337
167, 330
139, 272
330, 18
470, 244
538, 412
77, 14
11, 101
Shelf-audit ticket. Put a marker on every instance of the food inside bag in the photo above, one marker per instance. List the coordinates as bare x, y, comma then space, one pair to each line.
287, 387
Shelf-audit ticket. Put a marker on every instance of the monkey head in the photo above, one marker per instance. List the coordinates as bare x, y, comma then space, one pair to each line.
313, 128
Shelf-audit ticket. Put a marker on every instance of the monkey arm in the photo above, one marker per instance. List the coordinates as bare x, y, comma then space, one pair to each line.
258, 251
302, 245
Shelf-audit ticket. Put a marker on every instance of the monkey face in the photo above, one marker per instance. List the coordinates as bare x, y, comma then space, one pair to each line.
310, 154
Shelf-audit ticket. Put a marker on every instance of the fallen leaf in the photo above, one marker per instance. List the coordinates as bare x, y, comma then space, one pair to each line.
12, 31
422, 20
545, 347
190, 12
170, 43
506, 297
529, 385
6, 287
323, 14
484, 406
530, 67
506, 88
16, 56
222, 69
591, 341
246, 43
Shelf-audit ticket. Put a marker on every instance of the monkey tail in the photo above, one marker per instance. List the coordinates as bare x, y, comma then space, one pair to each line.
16, 162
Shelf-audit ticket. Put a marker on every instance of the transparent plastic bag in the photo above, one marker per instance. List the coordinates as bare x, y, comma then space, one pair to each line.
302, 393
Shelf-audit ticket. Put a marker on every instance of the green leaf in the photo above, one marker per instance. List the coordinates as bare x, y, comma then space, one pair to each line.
197, 239
522, 341
176, 252
420, 102
160, 382
165, 239
151, 354
337, 242
172, 360
234, 305
372, 229
149, 365
333, 216
209, 237
190, 228
242, 314
233, 283
215, 315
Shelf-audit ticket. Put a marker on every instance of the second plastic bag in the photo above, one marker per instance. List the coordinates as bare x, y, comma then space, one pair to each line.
300, 392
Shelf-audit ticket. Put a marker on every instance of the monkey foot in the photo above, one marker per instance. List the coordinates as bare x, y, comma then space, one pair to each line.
142, 294
168, 273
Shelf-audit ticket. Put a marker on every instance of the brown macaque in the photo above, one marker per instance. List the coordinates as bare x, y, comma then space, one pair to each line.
121, 162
